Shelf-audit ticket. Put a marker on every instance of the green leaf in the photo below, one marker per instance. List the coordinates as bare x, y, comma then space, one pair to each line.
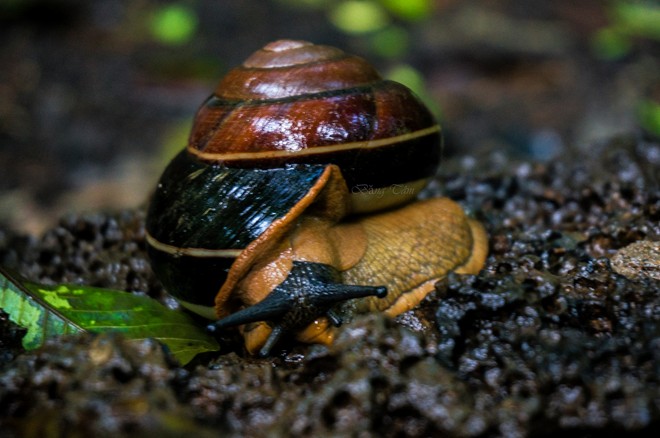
47, 311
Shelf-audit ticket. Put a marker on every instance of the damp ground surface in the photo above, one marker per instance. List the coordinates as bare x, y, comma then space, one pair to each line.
559, 333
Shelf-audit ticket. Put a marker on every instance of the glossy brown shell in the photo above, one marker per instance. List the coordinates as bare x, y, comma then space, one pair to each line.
293, 102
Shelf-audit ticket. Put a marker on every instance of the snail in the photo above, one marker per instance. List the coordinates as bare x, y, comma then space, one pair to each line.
293, 204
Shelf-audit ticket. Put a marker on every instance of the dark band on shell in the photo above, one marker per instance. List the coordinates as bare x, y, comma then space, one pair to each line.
203, 215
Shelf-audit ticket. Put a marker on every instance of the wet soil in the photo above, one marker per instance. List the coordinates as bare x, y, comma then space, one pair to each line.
549, 338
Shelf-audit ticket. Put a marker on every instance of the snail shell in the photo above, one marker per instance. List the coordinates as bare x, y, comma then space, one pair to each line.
260, 221
295, 102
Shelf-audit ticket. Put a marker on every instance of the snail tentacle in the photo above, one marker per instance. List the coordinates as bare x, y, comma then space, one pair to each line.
334, 319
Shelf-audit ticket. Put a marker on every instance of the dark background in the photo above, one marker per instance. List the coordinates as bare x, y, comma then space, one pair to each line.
94, 99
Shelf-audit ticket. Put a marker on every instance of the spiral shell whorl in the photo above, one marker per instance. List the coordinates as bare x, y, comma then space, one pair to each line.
286, 53
288, 68
296, 102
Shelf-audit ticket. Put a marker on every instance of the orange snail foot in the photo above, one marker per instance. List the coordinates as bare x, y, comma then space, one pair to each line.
479, 250
472, 265
318, 332
437, 238
256, 336
410, 299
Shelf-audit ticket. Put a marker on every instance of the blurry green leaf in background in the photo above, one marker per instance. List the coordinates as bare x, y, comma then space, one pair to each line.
629, 21
391, 42
649, 116
409, 9
363, 16
173, 24
609, 43
640, 19
359, 16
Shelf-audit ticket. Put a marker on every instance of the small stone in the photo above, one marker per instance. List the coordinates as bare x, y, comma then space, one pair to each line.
638, 260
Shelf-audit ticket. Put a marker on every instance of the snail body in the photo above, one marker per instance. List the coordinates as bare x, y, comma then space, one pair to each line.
293, 198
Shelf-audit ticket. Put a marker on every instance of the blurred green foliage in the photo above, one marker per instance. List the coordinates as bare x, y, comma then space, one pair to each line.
383, 24
649, 116
173, 24
358, 16
609, 43
392, 42
629, 21
409, 9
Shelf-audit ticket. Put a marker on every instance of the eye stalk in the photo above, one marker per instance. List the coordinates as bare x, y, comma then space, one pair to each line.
310, 290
